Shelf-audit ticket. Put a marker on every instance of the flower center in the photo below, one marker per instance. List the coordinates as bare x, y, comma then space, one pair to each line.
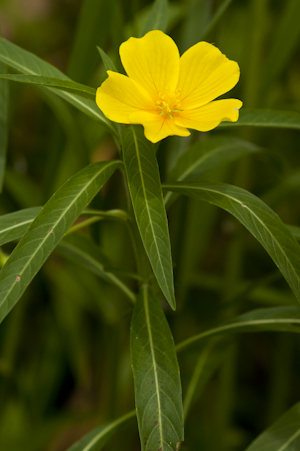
169, 102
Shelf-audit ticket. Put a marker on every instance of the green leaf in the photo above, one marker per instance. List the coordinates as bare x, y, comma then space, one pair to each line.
295, 231
14, 225
283, 435
4, 98
57, 83
158, 17
215, 18
109, 65
27, 63
156, 376
146, 195
266, 118
97, 438
258, 218
206, 155
47, 230
280, 319
83, 251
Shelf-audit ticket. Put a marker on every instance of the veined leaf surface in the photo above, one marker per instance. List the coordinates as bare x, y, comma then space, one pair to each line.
57, 83
147, 199
156, 376
3, 123
266, 118
27, 63
258, 218
281, 319
14, 225
47, 230
206, 155
97, 438
283, 435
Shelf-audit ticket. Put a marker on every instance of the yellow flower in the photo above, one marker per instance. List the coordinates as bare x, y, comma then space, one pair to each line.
167, 93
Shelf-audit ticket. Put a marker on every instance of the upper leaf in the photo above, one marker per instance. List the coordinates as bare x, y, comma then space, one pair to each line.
156, 376
158, 17
258, 218
266, 118
146, 195
47, 230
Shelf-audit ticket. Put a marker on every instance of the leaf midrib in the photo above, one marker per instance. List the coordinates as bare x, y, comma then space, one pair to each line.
290, 440
53, 226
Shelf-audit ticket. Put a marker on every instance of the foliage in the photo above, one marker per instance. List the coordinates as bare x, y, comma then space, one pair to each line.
162, 276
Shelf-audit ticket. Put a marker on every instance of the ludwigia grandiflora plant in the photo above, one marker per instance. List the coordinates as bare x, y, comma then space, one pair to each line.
194, 249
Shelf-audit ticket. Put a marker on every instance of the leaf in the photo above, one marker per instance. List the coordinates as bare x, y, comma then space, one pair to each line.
4, 98
109, 65
47, 230
215, 18
266, 118
206, 155
84, 252
156, 376
258, 218
27, 63
283, 435
146, 195
158, 17
14, 225
295, 231
280, 319
97, 438
57, 83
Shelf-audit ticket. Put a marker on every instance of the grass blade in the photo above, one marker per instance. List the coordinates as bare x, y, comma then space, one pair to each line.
258, 218
146, 195
156, 376
47, 230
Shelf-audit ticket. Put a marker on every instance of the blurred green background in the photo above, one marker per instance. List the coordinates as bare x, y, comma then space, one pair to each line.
64, 349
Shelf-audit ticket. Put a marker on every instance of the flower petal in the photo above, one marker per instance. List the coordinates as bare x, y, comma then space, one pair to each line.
157, 127
205, 74
209, 116
119, 96
152, 61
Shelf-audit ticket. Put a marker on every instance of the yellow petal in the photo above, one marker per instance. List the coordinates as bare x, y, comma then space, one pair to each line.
157, 127
209, 116
152, 61
119, 96
205, 74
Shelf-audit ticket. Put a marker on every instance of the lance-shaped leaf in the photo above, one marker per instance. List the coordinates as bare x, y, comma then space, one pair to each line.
280, 319
14, 225
158, 17
3, 123
156, 376
109, 65
27, 63
147, 199
266, 118
97, 438
206, 155
47, 230
258, 218
283, 435
50, 82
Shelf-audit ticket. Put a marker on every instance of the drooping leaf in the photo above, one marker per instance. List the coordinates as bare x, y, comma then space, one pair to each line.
97, 438
14, 225
283, 435
47, 229
266, 118
258, 218
109, 65
156, 376
206, 155
158, 17
84, 252
27, 63
57, 83
146, 195
4, 88
281, 319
